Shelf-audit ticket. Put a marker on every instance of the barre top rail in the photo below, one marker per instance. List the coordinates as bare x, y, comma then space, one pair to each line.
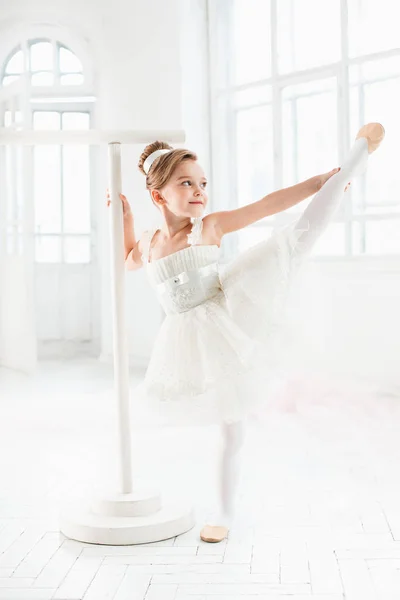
91, 137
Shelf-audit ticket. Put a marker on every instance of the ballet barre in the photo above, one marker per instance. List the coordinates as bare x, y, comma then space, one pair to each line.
91, 137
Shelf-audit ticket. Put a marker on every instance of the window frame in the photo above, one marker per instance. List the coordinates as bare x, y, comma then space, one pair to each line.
62, 108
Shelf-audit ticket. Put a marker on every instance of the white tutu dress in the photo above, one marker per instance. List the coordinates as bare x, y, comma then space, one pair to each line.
222, 340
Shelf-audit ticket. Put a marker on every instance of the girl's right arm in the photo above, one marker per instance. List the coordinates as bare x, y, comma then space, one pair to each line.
134, 261
133, 248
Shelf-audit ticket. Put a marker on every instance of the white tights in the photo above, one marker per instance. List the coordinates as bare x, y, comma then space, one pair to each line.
229, 469
322, 207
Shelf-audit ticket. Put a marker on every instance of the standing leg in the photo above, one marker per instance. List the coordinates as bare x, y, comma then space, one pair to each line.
233, 437
229, 473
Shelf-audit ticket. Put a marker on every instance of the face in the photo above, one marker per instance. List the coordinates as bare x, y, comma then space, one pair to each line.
185, 193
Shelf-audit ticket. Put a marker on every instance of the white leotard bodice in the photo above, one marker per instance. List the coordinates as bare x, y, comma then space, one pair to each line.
187, 277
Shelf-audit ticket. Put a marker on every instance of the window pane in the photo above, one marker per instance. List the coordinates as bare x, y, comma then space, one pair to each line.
46, 120
69, 62
373, 26
255, 158
9, 79
252, 97
41, 57
377, 101
76, 189
42, 79
309, 131
249, 236
48, 249
220, 31
308, 34
224, 137
376, 237
372, 70
16, 63
251, 40
13, 186
47, 189
77, 250
72, 79
76, 181
75, 120
14, 244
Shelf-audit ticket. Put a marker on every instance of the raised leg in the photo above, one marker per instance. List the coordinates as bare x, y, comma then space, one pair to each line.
321, 209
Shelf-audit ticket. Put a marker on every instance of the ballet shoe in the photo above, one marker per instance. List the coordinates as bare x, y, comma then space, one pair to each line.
213, 533
373, 133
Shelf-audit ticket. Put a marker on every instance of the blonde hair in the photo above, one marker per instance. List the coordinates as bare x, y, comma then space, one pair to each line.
162, 168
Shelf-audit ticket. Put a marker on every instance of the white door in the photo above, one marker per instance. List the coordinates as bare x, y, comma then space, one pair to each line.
66, 274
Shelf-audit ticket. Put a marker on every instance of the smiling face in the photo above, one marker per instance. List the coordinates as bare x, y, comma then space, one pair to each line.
185, 193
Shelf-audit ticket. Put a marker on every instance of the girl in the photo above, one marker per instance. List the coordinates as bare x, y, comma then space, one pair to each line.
218, 342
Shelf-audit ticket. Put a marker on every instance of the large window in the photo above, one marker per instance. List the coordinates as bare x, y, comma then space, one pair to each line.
61, 174
292, 82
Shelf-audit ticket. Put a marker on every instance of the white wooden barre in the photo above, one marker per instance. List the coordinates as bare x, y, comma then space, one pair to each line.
92, 137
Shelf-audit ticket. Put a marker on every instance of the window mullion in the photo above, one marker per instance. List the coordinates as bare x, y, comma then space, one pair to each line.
276, 99
343, 120
363, 182
61, 148
231, 114
26, 56
56, 63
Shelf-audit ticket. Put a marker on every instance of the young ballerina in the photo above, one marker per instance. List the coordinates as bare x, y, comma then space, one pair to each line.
218, 335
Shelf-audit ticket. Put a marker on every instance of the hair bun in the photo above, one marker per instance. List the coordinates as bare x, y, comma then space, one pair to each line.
158, 145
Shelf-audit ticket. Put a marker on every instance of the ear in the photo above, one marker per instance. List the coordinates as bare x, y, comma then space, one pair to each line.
157, 198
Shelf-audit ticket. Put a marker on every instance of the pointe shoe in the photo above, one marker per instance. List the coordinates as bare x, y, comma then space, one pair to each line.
374, 134
213, 533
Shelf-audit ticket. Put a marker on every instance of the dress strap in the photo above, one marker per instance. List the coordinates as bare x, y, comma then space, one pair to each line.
147, 239
194, 237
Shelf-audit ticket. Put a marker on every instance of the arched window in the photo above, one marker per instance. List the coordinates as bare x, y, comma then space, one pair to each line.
47, 62
59, 99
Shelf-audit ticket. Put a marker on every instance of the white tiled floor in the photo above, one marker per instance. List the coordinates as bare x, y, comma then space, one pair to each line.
318, 510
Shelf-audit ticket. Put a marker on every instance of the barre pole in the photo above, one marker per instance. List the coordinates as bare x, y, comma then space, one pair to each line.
121, 365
